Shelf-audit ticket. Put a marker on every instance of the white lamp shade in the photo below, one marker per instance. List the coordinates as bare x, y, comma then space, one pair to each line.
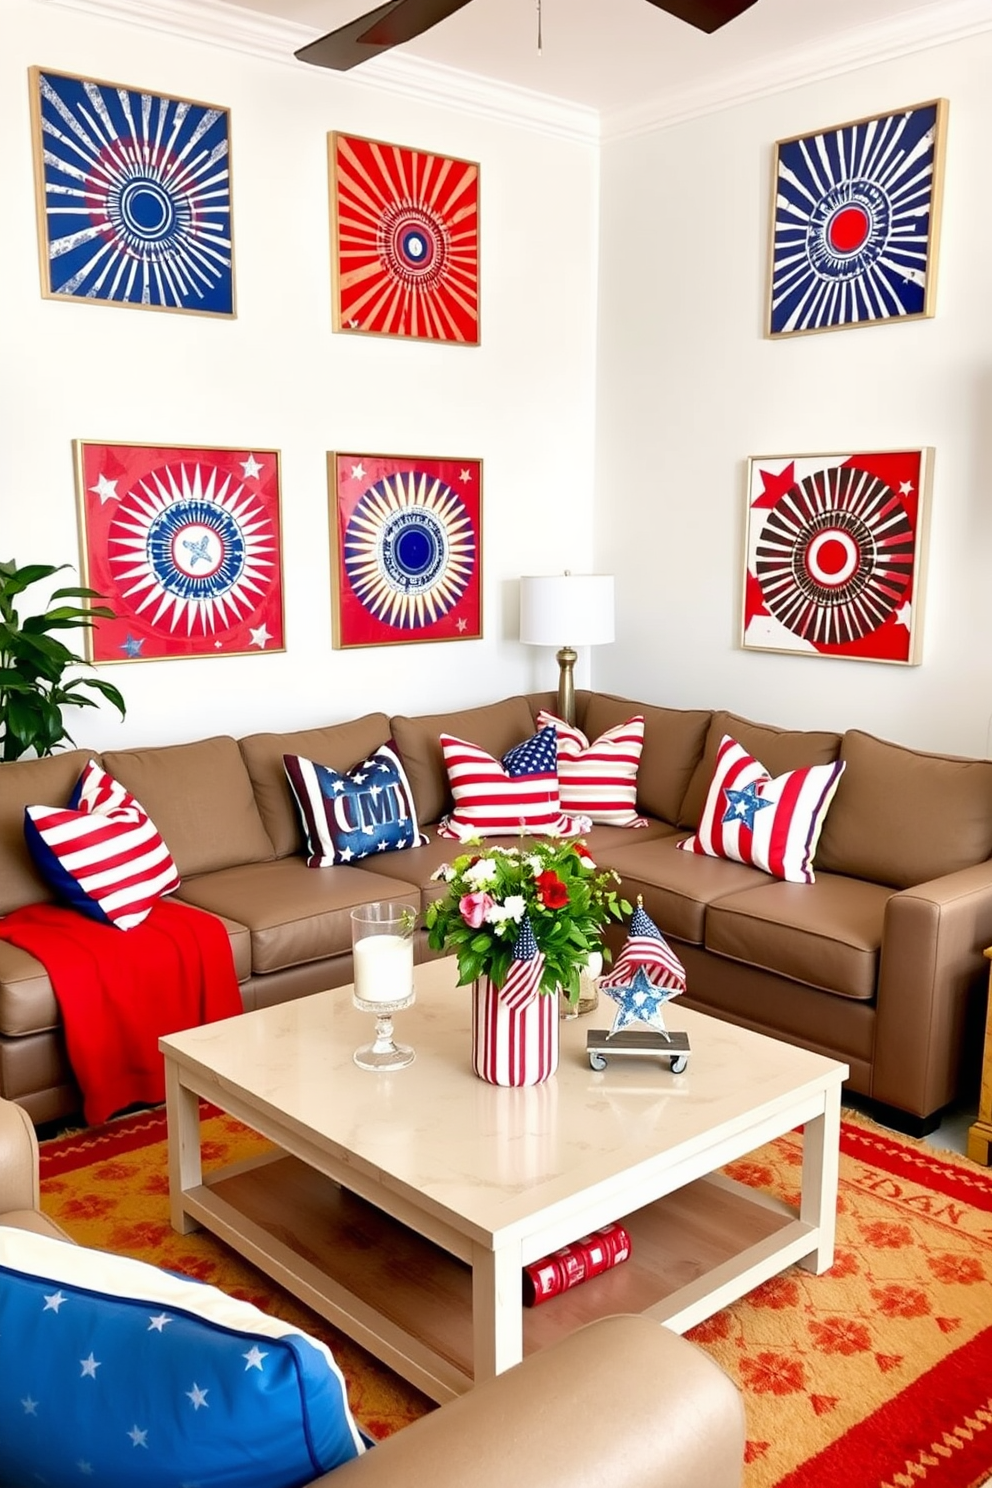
567, 610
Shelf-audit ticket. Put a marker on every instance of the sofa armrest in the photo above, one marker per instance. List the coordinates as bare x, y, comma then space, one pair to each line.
18, 1159
622, 1401
932, 946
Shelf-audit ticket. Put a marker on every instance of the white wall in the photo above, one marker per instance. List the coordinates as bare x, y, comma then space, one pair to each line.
277, 377
689, 387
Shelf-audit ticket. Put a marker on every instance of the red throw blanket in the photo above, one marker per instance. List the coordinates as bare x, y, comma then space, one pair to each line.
119, 991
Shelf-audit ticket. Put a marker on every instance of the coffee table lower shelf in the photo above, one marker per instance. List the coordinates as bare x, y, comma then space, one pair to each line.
409, 1302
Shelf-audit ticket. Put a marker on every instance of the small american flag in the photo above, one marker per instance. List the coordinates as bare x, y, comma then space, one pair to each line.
647, 950
524, 977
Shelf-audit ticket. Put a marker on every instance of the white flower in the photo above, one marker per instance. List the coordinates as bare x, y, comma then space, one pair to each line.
445, 873
535, 864
481, 873
515, 906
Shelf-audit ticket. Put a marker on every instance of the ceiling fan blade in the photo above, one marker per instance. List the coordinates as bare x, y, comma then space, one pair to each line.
376, 31
705, 15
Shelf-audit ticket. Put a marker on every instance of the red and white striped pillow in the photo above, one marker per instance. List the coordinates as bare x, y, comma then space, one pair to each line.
503, 798
599, 779
772, 824
102, 853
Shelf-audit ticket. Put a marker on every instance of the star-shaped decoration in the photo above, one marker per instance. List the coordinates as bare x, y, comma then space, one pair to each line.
131, 646
380, 847
359, 779
105, 489
30, 1406
139, 1437
156, 1324
345, 855
338, 787
461, 623
251, 468
375, 791
259, 636
904, 615
218, 645
86, 1468
906, 488
198, 1396
744, 805
255, 1355
53, 1301
90, 1366
465, 475
640, 1002
358, 471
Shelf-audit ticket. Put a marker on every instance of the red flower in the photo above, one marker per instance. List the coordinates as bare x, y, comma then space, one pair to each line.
550, 890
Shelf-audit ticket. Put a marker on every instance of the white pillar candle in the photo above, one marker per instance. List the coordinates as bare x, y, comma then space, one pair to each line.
383, 968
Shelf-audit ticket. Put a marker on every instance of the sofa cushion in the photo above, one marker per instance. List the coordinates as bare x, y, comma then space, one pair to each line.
676, 886
827, 934
199, 796
495, 728
26, 781
337, 745
773, 824
904, 817
293, 916
354, 813
778, 749
504, 797
599, 778
123, 1373
673, 746
101, 853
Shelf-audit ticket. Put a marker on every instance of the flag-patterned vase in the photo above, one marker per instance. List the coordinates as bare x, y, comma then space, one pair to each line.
513, 1045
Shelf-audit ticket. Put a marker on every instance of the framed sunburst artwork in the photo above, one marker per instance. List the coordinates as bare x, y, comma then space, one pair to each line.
856, 222
186, 545
133, 196
836, 554
407, 540
404, 241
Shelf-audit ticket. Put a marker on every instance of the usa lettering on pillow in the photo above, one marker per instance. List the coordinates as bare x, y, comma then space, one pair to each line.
771, 824
599, 779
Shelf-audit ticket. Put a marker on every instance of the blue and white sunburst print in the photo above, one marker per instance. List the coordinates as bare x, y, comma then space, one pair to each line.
856, 222
134, 196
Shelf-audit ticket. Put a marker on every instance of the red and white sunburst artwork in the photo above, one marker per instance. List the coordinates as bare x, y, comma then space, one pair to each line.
835, 554
405, 227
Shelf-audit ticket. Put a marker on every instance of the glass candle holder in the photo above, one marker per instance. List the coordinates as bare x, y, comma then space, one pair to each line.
382, 955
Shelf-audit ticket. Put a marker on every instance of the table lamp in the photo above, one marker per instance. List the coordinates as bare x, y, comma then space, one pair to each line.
566, 610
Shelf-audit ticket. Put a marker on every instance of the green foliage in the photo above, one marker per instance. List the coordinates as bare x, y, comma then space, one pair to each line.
33, 663
556, 884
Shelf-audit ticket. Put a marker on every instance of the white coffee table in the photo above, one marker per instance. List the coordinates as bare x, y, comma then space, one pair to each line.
402, 1207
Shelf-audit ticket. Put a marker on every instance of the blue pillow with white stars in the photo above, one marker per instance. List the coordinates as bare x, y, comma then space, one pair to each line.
368, 809
115, 1372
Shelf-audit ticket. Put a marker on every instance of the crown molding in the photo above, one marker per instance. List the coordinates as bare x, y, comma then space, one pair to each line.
913, 31
233, 28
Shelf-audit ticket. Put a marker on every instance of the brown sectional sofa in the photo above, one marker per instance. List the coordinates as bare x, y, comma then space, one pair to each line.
878, 963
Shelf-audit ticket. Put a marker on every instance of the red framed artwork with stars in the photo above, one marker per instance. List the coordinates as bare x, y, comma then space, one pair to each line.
407, 539
836, 554
404, 241
185, 544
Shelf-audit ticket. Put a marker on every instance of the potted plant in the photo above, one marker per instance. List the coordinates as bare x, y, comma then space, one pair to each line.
33, 662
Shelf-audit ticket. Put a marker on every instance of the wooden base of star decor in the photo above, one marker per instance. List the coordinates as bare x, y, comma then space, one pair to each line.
637, 1043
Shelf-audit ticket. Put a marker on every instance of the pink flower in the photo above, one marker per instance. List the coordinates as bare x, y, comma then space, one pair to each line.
474, 908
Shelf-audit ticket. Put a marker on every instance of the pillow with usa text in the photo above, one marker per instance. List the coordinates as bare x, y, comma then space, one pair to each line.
368, 809
771, 824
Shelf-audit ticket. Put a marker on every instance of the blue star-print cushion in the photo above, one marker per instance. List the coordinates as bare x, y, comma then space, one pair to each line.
367, 810
117, 1373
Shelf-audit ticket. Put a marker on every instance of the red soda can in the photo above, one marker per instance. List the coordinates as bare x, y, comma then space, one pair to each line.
575, 1263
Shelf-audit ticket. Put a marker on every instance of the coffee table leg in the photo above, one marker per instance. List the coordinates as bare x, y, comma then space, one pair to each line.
497, 1311
821, 1161
182, 1109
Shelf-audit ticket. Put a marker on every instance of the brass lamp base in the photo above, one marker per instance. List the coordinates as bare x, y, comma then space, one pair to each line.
567, 658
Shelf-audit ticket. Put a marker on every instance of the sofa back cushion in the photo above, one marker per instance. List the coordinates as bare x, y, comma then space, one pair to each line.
339, 745
778, 749
495, 728
24, 783
673, 746
903, 817
199, 796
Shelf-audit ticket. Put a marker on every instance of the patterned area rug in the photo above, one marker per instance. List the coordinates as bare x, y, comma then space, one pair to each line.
876, 1375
